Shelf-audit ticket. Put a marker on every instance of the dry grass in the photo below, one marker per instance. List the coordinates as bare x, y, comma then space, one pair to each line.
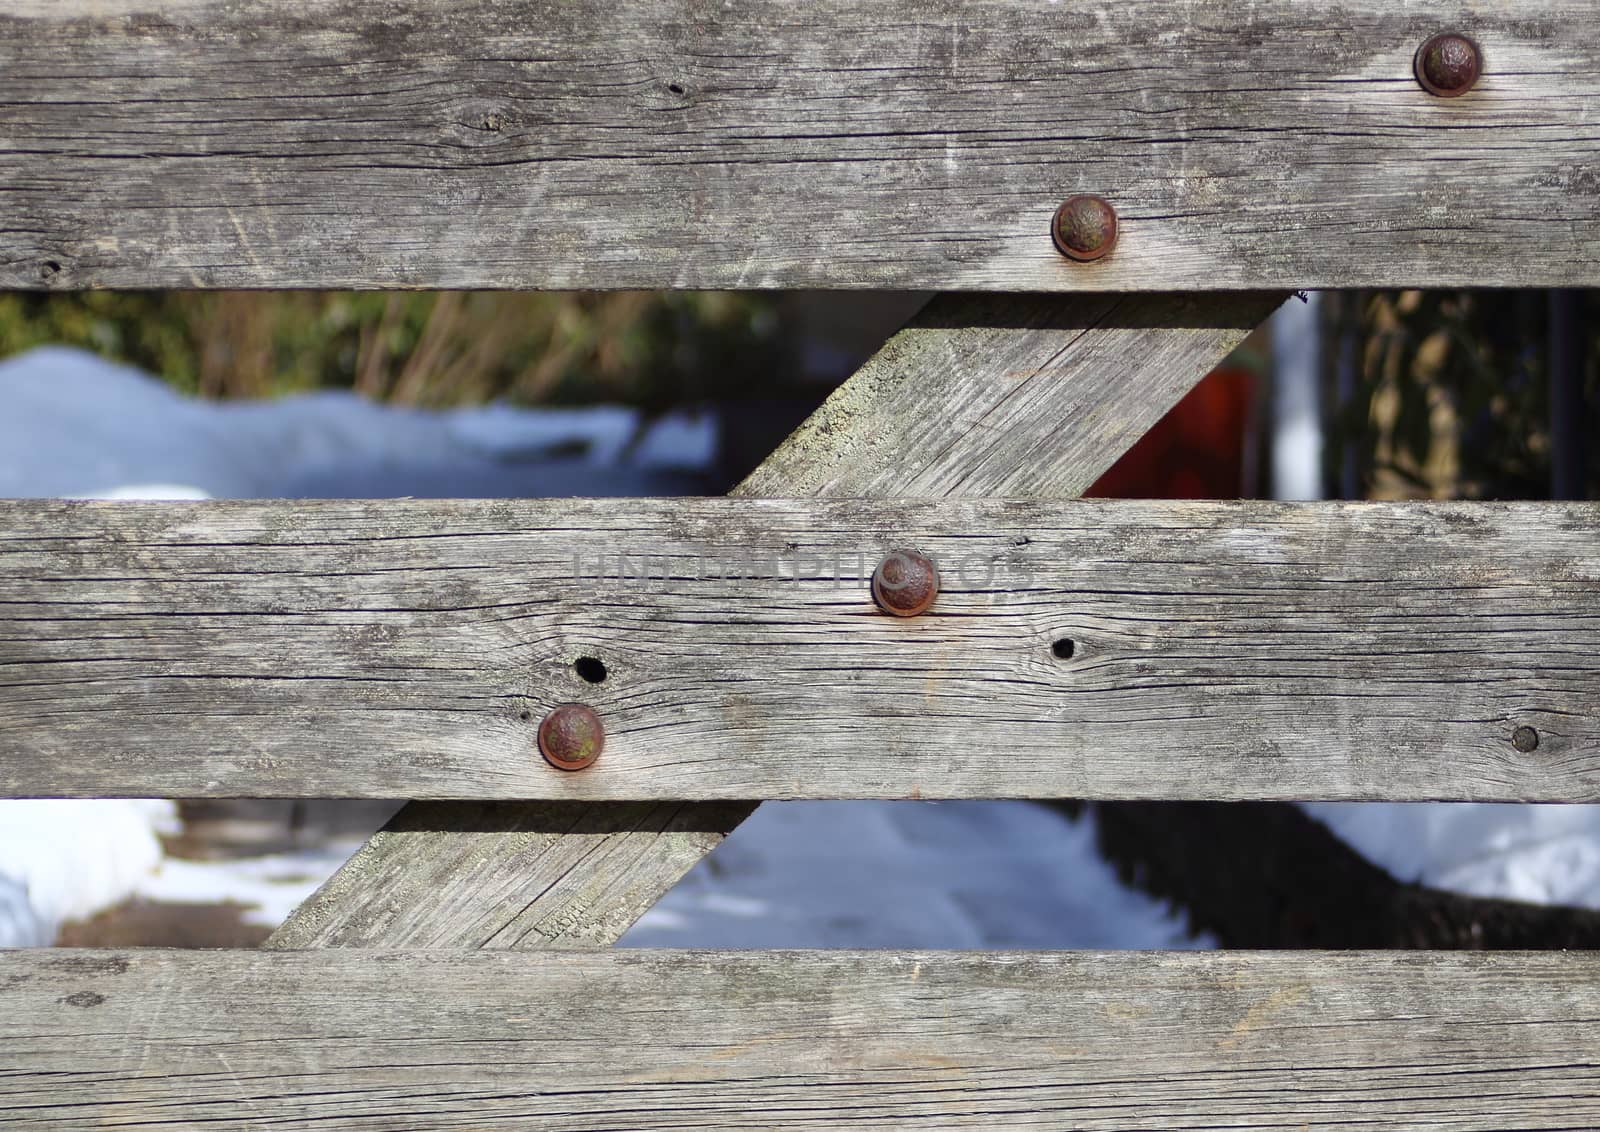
431, 348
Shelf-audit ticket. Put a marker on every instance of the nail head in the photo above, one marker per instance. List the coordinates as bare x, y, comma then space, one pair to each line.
1448, 65
1084, 228
905, 583
571, 737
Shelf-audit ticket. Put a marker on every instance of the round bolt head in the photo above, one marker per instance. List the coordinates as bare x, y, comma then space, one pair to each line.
1084, 228
905, 583
571, 736
1448, 65
1525, 739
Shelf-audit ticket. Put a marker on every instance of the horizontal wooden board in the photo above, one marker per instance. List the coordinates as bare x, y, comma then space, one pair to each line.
411, 648
767, 143
791, 1040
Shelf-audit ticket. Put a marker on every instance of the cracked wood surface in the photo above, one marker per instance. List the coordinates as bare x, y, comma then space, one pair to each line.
797, 1040
978, 396
770, 144
1077, 649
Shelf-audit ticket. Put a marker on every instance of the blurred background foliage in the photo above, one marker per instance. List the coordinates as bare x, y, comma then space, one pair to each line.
1451, 394
432, 349
1431, 394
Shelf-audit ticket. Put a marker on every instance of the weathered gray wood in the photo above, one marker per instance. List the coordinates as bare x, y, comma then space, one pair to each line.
1009, 395
835, 143
978, 395
791, 1040
509, 875
410, 648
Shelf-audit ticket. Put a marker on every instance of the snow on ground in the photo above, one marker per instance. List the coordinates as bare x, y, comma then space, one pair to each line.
834, 874
1542, 854
269, 887
74, 857
908, 875
75, 425
19, 923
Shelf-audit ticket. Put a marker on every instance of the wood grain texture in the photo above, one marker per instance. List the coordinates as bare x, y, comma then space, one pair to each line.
979, 395
836, 143
410, 648
518, 876
1009, 395
792, 1040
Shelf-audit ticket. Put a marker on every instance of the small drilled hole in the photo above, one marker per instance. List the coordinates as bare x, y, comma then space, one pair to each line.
675, 88
527, 715
1064, 648
590, 668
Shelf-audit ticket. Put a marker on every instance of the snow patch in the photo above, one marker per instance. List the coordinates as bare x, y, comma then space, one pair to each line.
268, 887
74, 857
19, 924
909, 875
78, 425
1543, 854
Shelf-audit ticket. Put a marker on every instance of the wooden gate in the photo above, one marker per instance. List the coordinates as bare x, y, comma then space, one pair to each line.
456, 972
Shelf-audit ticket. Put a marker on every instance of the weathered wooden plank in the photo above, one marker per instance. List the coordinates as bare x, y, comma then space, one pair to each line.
1029, 396
779, 1040
509, 875
1009, 395
836, 143
1094, 649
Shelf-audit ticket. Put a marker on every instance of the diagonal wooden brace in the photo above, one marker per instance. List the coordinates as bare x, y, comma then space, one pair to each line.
978, 396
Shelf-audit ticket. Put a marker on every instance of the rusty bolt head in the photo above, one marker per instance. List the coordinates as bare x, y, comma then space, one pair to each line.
1525, 739
1448, 65
1084, 228
571, 736
905, 583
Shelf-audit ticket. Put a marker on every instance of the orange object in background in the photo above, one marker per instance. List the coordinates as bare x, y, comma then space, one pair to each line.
1197, 451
